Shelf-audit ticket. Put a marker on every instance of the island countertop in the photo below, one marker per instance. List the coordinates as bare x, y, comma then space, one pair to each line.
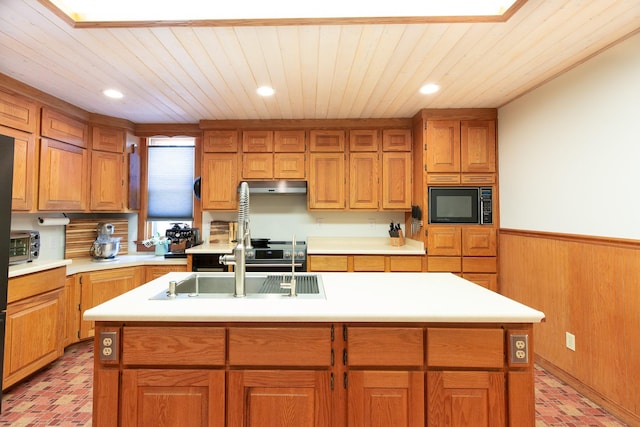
350, 297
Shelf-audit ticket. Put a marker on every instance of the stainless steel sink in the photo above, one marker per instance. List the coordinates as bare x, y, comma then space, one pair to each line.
222, 285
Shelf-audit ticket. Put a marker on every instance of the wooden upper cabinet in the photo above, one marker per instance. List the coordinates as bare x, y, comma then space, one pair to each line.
364, 188
478, 146
24, 168
443, 146
396, 140
59, 126
219, 181
220, 141
289, 165
257, 165
108, 139
64, 172
396, 180
327, 140
289, 141
257, 141
18, 113
327, 181
363, 140
107, 181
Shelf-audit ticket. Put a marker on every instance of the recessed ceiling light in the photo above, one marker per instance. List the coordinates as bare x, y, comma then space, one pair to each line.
429, 88
265, 91
112, 93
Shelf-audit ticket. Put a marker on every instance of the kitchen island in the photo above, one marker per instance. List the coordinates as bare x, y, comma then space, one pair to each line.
402, 349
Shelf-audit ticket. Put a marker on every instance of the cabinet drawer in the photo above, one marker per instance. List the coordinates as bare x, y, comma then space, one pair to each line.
444, 263
443, 178
184, 346
28, 285
306, 346
405, 263
469, 178
479, 264
465, 348
385, 346
327, 263
368, 263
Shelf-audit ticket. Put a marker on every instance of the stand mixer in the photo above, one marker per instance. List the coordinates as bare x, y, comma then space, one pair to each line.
105, 247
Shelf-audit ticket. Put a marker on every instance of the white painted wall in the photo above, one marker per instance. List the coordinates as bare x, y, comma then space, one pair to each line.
569, 151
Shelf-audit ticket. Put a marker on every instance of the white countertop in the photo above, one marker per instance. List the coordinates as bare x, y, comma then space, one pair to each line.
211, 248
361, 246
352, 297
83, 265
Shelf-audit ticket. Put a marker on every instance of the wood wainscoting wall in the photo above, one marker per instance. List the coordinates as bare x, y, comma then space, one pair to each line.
589, 287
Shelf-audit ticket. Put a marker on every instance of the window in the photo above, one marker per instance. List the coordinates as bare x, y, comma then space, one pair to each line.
170, 183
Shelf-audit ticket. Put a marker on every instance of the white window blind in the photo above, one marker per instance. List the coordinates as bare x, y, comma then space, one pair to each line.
170, 188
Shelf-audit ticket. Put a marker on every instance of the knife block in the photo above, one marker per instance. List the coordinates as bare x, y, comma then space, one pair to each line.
398, 241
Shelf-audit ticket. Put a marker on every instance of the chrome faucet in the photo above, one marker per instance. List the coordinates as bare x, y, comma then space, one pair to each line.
243, 242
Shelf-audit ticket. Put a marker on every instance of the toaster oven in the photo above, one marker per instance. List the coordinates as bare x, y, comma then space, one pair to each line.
24, 246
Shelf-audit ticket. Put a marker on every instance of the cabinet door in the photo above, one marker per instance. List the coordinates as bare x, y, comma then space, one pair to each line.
107, 181
289, 165
165, 397
278, 399
386, 398
443, 146
257, 165
327, 140
220, 141
100, 286
24, 168
396, 180
396, 140
72, 311
34, 335
18, 113
289, 141
444, 240
257, 141
479, 241
64, 172
363, 140
219, 181
363, 180
326, 181
478, 146
61, 127
466, 398
108, 139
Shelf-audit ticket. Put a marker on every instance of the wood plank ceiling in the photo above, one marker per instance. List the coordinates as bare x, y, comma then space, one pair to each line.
185, 74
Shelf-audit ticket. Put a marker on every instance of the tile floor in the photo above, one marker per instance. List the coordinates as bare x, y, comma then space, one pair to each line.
60, 395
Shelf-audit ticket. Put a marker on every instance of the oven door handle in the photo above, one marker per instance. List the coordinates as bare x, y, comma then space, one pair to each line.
273, 265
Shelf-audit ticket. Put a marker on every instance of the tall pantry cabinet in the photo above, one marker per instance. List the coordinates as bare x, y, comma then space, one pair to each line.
458, 148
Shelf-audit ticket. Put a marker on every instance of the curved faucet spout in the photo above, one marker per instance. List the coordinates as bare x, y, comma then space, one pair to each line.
243, 239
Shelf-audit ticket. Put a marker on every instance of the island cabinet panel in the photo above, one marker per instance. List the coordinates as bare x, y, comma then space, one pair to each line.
148, 345
385, 346
165, 398
466, 398
386, 398
278, 398
280, 346
465, 347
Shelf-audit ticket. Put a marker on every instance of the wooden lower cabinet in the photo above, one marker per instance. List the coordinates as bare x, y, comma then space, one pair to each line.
354, 375
34, 323
363, 263
386, 398
173, 397
280, 398
466, 398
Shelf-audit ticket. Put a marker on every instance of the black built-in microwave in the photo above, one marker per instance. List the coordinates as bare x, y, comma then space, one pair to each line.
460, 205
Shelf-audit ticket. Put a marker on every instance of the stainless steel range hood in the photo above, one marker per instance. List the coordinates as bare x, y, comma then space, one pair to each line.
277, 187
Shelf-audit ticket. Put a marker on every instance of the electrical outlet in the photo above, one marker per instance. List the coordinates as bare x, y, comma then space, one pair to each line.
570, 341
519, 348
108, 346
